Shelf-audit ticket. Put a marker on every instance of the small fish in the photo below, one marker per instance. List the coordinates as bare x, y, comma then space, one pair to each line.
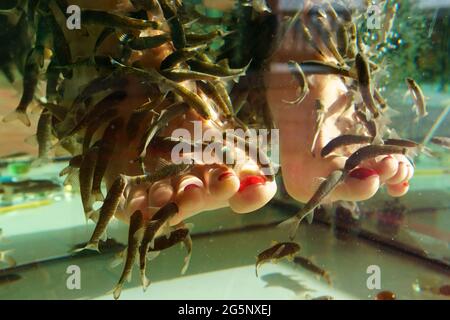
372, 151
143, 43
6, 279
320, 118
351, 49
418, 97
152, 227
176, 27
92, 127
44, 135
297, 73
167, 171
371, 125
106, 212
106, 149
30, 82
176, 236
179, 56
342, 39
86, 175
135, 234
309, 265
170, 113
307, 36
186, 75
57, 111
326, 68
364, 79
344, 140
103, 18
194, 39
218, 69
388, 21
259, 6
324, 189
379, 98
401, 143
276, 252
212, 92
441, 141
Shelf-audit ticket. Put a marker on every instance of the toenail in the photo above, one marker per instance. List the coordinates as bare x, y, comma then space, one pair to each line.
388, 157
225, 175
191, 187
363, 173
405, 184
251, 180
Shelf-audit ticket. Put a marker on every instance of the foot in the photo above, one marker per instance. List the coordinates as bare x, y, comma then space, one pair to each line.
296, 124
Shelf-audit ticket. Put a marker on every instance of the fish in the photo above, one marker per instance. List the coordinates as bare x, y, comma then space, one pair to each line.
351, 49
176, 27
194, 39
380, 100
216, 69
320, 118
307, 36
44, 136
259, 6
179, 56
74, 163
143, 43
6, 279
103, 18
371, 125
186, 75
86, 175
371, 151
344, 140
388, 21
167, 171
297, 73
170, 113
106, 213
441, 141
30, 82
309, 265
276, 252
92, 127
142, 115
212, 92
135, 234
342, 39
364, 83
106, 149
418, 97
324, 189
152, 227
325, 68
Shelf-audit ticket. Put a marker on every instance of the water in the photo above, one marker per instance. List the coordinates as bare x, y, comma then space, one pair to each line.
389, 244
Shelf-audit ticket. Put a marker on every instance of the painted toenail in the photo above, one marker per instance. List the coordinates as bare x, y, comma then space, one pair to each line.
405, 184
191, 187
362, 173
251, 180
225, 175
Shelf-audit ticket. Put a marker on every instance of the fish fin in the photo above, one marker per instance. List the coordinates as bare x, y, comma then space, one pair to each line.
93, 215
310, 217
118, 259
117, 291
161, 163
292, 225
89, 246
17, 115
152, 255
256, 269
104, 236
377, 140
145, 282
65, 171
129, 276
31, 140
187, 260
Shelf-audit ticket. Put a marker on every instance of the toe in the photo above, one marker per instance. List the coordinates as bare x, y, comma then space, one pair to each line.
160, 193
401, 175
190, 197
361, 184
387, 167
222, 184
398, 190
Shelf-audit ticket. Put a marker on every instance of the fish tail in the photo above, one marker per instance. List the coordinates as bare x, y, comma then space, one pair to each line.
92, 246
144, 280
292, 224
17, 115
186, 264
117, 291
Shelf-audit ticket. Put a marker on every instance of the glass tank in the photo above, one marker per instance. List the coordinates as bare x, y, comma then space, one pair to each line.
206, 149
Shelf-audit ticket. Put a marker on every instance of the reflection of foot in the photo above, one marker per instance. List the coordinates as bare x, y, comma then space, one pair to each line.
296, 124
206, 187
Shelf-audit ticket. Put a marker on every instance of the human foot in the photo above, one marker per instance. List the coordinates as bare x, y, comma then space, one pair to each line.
297, 130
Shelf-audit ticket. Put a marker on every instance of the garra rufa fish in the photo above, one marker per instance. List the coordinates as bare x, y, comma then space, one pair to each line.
276, 252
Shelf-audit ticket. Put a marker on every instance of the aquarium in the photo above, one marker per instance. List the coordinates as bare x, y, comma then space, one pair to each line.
206, 149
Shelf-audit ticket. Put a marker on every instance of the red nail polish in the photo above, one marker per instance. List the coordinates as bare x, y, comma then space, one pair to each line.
405, 184
362, 173
251, 180
191, 186
225, 175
